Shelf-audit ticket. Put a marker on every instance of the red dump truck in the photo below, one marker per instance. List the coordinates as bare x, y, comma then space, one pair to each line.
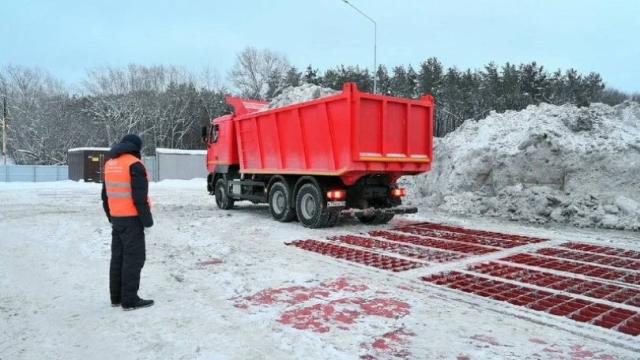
321, 159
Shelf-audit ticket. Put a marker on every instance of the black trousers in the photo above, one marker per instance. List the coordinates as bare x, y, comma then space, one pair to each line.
127, 260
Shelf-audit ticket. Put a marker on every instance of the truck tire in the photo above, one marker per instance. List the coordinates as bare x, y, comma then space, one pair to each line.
223, 200
279, 200
311, 208
376, 219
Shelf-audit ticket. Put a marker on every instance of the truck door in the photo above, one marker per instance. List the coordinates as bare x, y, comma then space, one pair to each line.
214, 151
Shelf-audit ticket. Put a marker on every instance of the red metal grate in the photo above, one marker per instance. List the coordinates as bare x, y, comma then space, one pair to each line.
604, 250
358, 256
622, 320
592, 289
627, 277
435, 243
488, 234
406, 250
465, 238
613, 261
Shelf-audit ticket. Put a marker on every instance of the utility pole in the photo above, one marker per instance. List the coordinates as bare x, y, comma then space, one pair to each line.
4, 130
375, 45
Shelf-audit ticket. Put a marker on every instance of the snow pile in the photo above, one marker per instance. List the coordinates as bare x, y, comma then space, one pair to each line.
294, 95
546, 163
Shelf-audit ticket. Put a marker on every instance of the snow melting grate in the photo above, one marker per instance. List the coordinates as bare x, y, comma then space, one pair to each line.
430, 255
503, 243
607, 260
604, 250
622, 320
358, 256
594, 289
435, 243
487, 234
628, 277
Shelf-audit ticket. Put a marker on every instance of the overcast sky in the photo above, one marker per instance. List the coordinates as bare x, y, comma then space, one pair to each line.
67, 37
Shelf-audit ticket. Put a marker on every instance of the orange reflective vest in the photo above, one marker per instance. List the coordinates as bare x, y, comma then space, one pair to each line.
117, 181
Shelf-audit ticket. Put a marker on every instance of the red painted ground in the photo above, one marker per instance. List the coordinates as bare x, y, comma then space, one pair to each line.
333, 305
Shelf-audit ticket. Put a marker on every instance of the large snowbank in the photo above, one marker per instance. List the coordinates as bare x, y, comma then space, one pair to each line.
294, 95
543, 164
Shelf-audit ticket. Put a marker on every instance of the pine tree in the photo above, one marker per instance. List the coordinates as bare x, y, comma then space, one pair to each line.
293, 77
490, 88
511, 90
412, 83
311, 76
430, 77
384, 81
275, 84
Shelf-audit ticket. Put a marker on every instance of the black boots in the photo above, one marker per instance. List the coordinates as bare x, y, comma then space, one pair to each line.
138, 305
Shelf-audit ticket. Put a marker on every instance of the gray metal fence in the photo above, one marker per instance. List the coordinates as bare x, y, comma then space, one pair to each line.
167, 164
179, 164
33, 173
151, 165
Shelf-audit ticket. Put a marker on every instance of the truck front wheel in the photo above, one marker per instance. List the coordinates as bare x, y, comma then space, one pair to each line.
279, 200
311, 208
223, 200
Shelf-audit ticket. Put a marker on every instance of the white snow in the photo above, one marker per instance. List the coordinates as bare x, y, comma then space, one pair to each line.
89, 149
201, 265
180, 151
8, 160
543, 164
305, 92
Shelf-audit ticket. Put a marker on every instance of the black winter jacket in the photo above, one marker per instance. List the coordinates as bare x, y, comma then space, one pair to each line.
139, 189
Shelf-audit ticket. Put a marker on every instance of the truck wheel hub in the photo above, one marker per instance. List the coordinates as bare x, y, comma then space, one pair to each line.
308, 206
278, 202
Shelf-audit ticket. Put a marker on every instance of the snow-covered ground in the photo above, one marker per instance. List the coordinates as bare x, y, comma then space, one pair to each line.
226, 287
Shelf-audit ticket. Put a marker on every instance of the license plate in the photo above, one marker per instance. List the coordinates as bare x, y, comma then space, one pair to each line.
336, 203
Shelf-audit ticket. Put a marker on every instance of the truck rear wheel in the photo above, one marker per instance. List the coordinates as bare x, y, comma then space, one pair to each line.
377, 219
311, 208
279, 200
223, 200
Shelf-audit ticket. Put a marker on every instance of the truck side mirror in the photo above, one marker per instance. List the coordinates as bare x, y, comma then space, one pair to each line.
204, 134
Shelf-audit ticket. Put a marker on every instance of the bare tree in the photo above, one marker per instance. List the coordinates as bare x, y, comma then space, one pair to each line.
39, 125
209, 79
259, 73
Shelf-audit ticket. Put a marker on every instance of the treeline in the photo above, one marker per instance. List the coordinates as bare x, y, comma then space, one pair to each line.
165, 105
472, 94
169, 105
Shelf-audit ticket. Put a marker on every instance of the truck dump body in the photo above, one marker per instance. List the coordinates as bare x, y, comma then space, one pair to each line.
349, 135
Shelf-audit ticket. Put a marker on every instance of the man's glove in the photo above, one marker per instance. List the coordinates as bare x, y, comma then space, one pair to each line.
147, 220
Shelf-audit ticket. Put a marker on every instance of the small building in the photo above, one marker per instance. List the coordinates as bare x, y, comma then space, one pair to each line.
180, 164
87, 163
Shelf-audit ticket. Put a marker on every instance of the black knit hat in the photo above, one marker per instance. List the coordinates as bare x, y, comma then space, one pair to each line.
133, 139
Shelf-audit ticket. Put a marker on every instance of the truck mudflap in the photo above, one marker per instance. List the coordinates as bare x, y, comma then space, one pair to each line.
375, 211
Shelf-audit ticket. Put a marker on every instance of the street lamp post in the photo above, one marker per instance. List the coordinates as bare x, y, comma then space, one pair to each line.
4, 130
375, 43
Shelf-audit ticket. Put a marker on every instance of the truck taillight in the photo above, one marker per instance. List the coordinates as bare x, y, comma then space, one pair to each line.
336, 195
398, 192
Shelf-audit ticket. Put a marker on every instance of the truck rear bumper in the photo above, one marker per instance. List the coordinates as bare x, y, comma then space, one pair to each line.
374, 211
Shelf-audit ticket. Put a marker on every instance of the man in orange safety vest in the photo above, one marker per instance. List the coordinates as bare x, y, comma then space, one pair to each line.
125, 201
